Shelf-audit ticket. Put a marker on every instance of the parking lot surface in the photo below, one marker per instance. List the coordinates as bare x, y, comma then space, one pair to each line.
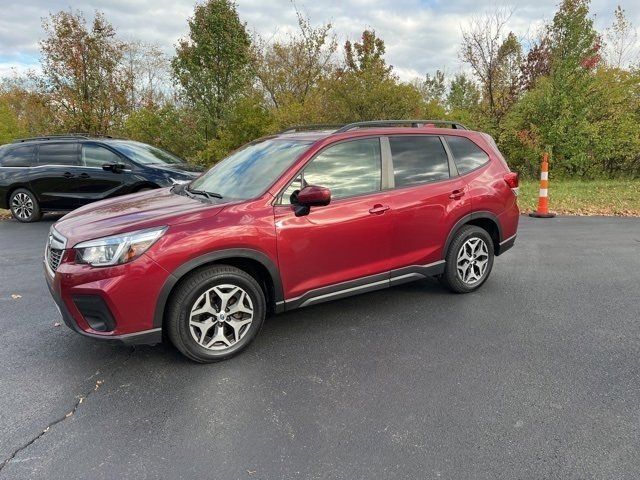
537, 375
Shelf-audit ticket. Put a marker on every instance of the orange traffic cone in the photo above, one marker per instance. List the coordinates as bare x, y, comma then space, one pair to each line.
543, 196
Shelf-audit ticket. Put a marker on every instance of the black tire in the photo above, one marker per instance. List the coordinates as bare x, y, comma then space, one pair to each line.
451, 278
186, 296
24, 206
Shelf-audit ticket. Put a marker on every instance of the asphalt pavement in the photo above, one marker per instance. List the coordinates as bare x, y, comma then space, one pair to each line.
537, 375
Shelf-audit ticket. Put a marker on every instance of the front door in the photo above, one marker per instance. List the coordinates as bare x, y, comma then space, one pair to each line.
94, 183
343, 247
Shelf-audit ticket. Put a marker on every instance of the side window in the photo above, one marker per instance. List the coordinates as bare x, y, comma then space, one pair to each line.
348, 168
58, 154
468, 155
96, 156
418, 159
18, 157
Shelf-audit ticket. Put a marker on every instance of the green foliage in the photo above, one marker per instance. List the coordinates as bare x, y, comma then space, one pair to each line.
9, 126
366, 88
167, 126
212, 64
247, 120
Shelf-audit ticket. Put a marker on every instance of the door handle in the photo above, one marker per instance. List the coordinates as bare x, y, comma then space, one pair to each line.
84, 175
456, 194
377, 209
67, 175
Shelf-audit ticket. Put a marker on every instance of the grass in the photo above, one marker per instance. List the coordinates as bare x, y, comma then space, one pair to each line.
594, 197
573, 197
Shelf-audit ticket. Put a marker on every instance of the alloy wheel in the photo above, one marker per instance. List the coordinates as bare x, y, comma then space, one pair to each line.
221, 317
472, 261
22, 206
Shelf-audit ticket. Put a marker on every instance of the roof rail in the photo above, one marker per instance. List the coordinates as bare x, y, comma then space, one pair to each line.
393, 123
313, 126
63, 136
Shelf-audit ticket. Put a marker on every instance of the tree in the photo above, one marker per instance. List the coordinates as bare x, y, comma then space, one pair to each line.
211, 66
463, 94
82, 72
494, 59
28, 105
622, 40
432, 88
537, 63
148, 68
288, 71
167, 126
365, 88
9, 125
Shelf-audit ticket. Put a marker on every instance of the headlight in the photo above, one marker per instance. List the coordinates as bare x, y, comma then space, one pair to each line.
117, 249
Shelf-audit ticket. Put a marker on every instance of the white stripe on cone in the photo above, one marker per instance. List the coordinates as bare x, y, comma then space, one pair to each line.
544, 175
543, 192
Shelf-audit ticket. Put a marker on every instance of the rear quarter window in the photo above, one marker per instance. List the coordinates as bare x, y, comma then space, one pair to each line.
467, 155
17, 157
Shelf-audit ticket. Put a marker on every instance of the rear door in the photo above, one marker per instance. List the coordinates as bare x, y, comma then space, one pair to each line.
427, 199
93, 182
53, 179
344, 245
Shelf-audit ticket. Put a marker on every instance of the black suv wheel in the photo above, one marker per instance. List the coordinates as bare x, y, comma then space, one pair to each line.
24, 206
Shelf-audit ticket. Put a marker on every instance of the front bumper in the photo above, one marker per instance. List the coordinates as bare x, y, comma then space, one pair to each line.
127, 292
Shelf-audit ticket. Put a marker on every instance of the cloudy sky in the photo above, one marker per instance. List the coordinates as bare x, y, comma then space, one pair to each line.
421, 35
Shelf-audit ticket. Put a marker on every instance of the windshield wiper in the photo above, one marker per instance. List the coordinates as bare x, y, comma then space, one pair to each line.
204, 193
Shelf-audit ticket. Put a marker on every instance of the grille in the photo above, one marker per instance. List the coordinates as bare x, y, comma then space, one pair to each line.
53, 257
55, 250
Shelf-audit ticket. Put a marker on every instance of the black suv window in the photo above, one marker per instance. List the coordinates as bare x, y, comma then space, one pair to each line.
468, 155
348, 168
96, 156
18, 157
58, 154
418, 159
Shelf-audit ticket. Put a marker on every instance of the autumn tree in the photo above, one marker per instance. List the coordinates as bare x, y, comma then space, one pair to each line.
82, 72
289, 70
212, 65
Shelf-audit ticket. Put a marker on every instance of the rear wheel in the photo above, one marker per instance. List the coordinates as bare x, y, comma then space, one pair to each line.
215, 313
469, 260
24, 206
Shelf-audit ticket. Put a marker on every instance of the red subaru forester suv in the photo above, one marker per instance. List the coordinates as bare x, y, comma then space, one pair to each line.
288, 221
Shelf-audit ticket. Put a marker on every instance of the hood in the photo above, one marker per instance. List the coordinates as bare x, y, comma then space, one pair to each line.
132, 212
185, 168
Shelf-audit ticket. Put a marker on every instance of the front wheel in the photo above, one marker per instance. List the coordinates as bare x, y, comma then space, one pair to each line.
215, 313
24, 206
469, 260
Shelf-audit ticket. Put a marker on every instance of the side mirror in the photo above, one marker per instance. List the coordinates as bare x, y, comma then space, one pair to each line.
114, 167
310, 196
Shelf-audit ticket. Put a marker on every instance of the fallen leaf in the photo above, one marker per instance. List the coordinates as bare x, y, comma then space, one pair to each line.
57, 324
15, 296
251, 472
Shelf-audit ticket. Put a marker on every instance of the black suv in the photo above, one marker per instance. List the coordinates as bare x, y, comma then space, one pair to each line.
64, 172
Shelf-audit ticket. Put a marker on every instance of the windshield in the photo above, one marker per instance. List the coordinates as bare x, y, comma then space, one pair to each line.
145, 154
246, 173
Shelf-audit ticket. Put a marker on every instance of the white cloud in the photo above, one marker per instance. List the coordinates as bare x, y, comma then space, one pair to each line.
420, 35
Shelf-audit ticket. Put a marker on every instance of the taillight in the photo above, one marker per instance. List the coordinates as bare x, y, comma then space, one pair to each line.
513, 180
